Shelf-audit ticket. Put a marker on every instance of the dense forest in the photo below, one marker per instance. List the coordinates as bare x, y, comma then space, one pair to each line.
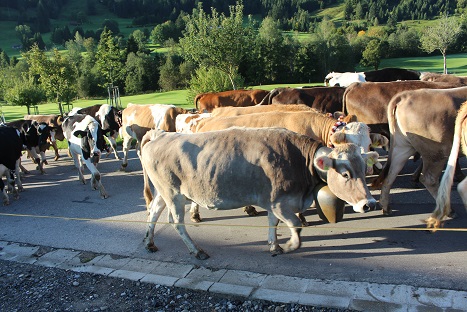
290, 13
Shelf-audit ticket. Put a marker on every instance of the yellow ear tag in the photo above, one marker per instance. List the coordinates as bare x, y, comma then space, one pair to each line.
370, 162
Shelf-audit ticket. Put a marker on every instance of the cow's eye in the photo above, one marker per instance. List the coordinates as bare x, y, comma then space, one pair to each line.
346, 175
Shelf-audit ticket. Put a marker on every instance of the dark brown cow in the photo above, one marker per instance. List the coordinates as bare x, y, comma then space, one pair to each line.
447, 78
420, 121
391, 74
206, 102
369, 100
324, 99
55, 123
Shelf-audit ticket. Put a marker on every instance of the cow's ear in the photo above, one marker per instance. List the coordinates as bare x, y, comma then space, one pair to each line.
323, 163
79, 134
378, 140
338, 138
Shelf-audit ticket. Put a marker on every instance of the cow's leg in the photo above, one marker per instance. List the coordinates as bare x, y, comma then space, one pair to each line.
113, 144
24, 170
36, 159
462, 189
79, 166
194, 213
293, 222
399, 157
156, 206
11, 184
4, 171
274, 247
126, 147
54, 146
18, 175
177, 210
96, 182
430, 176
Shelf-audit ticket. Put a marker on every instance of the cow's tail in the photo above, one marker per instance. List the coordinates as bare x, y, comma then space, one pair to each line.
443, 200
197, 97
392, 106
344, 97
148, 195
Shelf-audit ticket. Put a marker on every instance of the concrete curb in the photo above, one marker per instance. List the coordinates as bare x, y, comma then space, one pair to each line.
278, 288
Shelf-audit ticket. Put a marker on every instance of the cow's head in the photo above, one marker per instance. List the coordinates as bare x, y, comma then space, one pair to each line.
357, 133
38, 133
344, 169
92, 141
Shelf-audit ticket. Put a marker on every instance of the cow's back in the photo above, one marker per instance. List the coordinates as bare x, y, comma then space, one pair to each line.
428, 116
237, 111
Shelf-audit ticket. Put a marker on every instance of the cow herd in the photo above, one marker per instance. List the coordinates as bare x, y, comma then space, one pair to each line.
269, 149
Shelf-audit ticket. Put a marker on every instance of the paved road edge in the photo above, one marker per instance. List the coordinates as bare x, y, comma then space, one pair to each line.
360, 296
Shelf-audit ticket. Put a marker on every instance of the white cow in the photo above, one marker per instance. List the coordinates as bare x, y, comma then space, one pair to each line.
335, 79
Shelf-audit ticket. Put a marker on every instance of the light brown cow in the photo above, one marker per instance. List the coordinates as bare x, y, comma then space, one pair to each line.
459, 145
138, 119
211, 169
420, 121
55, 122
448, 78
316, 125
230, 111
206, 102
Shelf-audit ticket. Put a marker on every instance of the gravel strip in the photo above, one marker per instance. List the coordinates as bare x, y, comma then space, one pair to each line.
26, 287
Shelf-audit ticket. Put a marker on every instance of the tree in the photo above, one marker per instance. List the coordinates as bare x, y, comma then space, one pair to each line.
56, 75
440, 37
24, 91
372, 54
110, 58
217, 41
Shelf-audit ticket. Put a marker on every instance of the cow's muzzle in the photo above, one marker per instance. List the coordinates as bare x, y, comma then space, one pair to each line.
365, 205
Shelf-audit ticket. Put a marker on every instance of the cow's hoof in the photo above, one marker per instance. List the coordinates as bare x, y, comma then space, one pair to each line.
201, 255
251, 211
302, 219
276, 250
20, 189
6, 202
453, 215
196, 218
388, 212
45, 162
105, 196
151, 248
56, 157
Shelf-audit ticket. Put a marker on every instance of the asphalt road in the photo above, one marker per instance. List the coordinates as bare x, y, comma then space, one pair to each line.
56, 210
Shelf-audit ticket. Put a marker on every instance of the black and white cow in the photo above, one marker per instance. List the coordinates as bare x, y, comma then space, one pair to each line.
110, 120
85, 142
10, 155
34, 136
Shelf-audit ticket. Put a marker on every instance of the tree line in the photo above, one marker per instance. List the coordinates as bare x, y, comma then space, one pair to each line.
207, 50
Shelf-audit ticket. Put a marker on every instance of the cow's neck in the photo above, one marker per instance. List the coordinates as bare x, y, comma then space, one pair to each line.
333, 126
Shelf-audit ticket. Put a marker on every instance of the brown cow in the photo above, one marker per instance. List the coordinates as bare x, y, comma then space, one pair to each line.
206, 102
139, 119
447, 78
420, 121
369, 100
324, 99
55, 123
